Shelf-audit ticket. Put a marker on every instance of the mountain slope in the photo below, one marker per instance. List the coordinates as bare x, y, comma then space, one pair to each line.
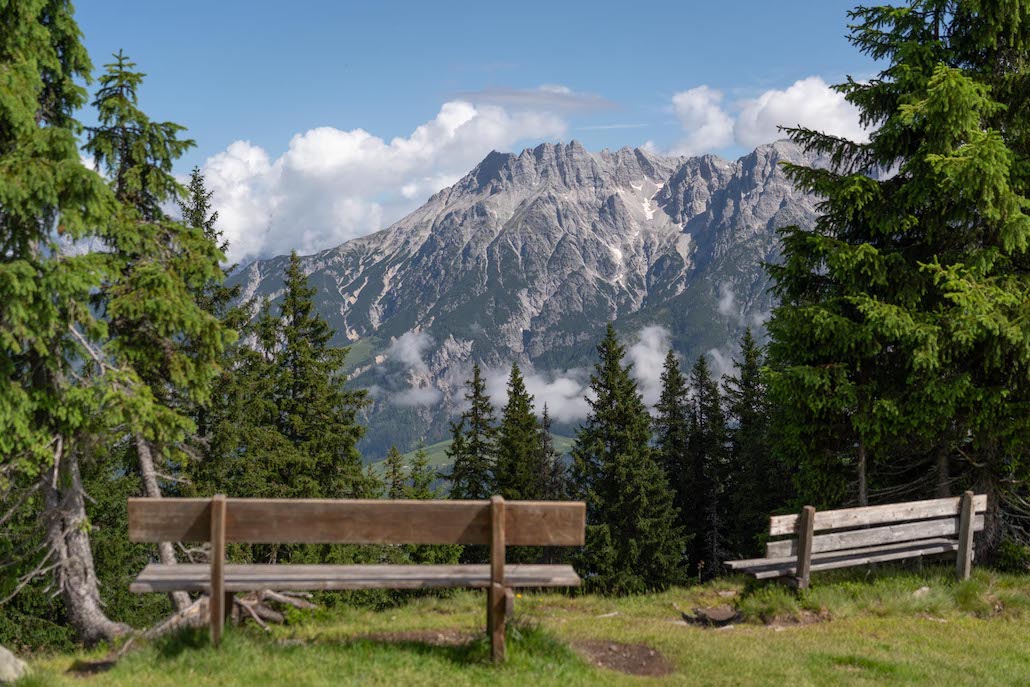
528, 255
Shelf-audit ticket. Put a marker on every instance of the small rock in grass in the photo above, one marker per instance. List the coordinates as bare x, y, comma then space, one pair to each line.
11, 667
921, 592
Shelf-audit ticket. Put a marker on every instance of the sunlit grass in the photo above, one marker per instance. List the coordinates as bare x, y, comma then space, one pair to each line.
849, 628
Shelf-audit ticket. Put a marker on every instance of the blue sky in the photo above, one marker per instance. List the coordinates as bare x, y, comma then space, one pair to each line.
246, 78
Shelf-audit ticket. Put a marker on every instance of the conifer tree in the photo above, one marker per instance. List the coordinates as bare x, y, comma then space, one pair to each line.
319, 414
519, 464
394, 477
421, 477
155, 320
903, 317
758, 486
473, 447
633, 544
707, 465
672, 432
554, 476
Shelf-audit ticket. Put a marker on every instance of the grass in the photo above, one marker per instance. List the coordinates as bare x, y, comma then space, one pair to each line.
849, 628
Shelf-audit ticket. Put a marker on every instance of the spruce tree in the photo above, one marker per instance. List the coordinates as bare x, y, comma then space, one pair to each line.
672, 432
519, 463
554, 473
473, 446
707, 466
319, 413
902, 333
758, 486
633, 544
394, 477
421, 479
156, 323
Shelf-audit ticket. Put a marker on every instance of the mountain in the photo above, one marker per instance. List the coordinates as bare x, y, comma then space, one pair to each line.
526, 257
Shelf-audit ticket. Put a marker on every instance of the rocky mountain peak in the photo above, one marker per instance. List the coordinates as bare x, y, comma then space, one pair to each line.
525, 256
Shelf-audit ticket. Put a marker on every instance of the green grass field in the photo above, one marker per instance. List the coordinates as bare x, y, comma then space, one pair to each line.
850, 628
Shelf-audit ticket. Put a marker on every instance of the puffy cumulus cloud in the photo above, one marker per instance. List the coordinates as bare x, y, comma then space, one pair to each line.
333, 185
648, 358
709, 125
809, 102
706, 124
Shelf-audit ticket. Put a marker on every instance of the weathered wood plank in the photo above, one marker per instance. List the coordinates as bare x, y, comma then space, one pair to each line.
806, 525
909, 531
216, 592
195, 577
964, 562
495, 607
848, 561
875, 515
270, 521
745, 564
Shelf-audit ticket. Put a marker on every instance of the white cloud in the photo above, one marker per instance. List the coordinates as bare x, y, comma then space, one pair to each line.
706, 124
648, 358
408, 350
727, 301
564, 392
333, 185
417, 396
809, 102
709, 125
722, 362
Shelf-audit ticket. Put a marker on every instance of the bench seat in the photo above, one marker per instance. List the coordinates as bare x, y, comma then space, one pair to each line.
769, 568
287, 577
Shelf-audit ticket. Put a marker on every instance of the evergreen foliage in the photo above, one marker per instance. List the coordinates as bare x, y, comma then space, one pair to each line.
758, 486
901, 346
672, 432
554, 476
473, 450
633, 544
708, 469
394, 478
519, 466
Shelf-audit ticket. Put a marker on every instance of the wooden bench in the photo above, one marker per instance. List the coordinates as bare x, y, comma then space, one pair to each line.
222, 520
872, 534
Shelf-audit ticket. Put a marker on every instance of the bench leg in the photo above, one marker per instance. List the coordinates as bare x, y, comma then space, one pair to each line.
227, 605
499, 603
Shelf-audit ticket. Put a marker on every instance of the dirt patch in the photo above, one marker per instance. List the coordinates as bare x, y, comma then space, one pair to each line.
803, 618
632, 659
431, 637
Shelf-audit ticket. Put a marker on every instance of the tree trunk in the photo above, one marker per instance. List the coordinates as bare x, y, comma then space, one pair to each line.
165, 550
943, 474
68, 538
863, 485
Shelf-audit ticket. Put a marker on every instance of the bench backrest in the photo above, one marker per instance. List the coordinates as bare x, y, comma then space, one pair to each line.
316, 521
894, 523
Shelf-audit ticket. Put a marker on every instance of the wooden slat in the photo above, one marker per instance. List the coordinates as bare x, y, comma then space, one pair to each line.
282, 521
853, 559
195, 577
909, 531
745, 564
874, 515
